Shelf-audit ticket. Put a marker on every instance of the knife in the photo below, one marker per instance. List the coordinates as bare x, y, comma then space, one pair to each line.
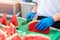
25, 22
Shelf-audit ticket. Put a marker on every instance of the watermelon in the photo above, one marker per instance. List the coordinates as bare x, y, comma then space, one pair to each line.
10, 30
35, 37
3, 35
4, 19
14, 20
14, 37
32, 27
0, 20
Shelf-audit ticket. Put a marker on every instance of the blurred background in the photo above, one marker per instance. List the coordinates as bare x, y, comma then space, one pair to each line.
18, 7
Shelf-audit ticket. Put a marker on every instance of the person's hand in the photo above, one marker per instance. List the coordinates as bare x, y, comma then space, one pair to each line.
30, 15
44, 23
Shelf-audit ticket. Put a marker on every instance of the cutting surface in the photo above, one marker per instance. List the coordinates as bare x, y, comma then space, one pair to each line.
53, 35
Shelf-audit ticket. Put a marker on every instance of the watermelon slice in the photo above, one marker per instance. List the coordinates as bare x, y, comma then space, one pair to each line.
3, 35
14, 20
35, 37
4, 19
10, 30
32, 27
14, 37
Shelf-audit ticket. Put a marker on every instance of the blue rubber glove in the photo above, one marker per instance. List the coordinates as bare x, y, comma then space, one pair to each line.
44, 23
30, 15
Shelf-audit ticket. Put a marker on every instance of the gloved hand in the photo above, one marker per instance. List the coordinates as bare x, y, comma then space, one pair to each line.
44, 23
30, 15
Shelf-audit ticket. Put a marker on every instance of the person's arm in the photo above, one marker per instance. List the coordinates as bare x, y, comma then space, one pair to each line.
56, 17
34, 9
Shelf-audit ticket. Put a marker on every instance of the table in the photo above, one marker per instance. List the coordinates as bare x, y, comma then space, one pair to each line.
53, 35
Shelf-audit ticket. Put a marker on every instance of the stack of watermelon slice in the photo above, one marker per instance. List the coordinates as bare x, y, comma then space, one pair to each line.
8, 29
13, 20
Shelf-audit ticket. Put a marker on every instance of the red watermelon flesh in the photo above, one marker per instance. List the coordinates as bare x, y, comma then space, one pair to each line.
2, 36
4, 19
16, 37
10, 30
13, 20
0, 19
35, 38
32, 27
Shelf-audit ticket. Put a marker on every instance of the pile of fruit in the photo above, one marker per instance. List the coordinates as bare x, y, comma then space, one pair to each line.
8, 29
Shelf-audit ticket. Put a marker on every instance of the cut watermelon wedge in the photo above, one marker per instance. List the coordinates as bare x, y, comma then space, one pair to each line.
14, 37
3, 35
10, 30
32, 27
35, 37
13, 20
4, 19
